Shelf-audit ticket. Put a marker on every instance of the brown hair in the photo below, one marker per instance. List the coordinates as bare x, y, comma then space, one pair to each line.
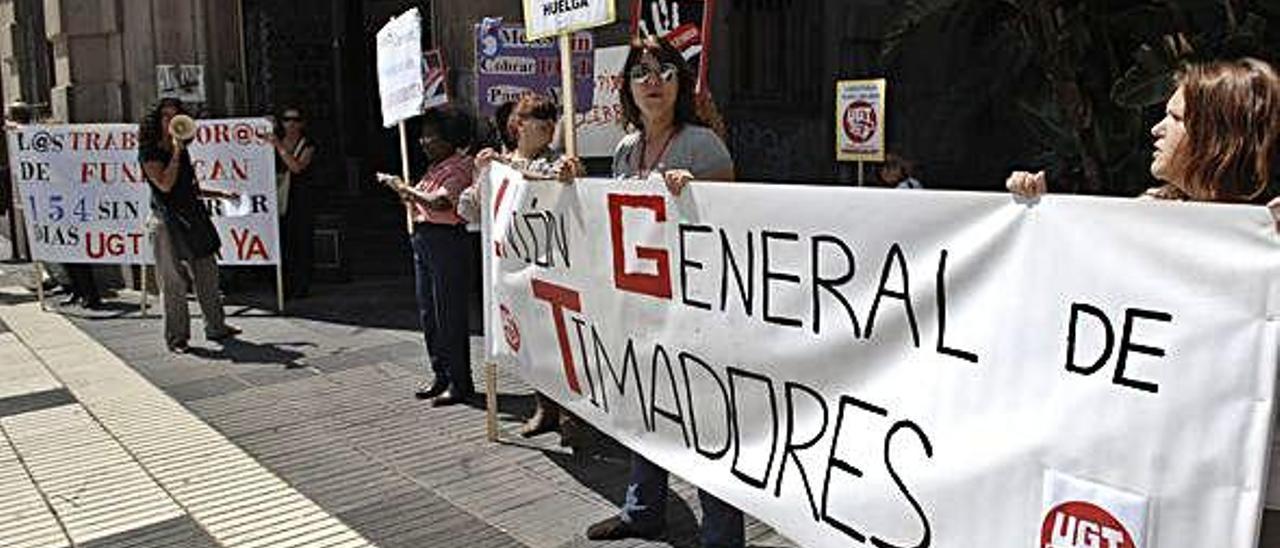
1232, 124
536, 106
664, 52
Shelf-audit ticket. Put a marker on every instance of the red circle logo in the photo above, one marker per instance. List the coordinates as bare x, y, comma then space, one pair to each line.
510, 330
860, 122
1083, 525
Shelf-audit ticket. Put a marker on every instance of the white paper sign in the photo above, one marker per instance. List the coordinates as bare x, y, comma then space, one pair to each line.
547, 18
600, 129
871, 367
400, 68
182, 82
860, 117
87, 199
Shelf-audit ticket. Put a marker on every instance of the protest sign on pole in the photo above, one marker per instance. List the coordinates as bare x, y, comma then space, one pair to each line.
975, 373
860, 118
546, 18
400, 82
508, 66
684, 23
400, 68
87, 199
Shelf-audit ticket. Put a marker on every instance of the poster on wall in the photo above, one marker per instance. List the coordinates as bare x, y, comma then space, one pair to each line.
182, 82
600, 129
436, 89
684, 23
508, 66
860, 120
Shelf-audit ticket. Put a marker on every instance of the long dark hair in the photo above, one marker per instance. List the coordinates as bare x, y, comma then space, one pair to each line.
149, 131
663, 52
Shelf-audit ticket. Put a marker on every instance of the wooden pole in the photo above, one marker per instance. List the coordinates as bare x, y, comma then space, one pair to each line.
404, 173
566, 93
40, 284
491, 400
279, 288
860, 181
142, 304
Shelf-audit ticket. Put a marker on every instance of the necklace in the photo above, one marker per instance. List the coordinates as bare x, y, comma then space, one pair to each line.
641, 168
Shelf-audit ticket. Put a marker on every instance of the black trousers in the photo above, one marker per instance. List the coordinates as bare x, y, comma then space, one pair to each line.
442, 272
299, 226
82, 283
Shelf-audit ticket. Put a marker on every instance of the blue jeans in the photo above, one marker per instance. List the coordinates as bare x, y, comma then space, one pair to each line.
442, 274
646, 507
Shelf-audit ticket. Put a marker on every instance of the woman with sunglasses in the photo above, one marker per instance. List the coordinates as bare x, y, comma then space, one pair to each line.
295, 152
533, 124
669, 142
441, 254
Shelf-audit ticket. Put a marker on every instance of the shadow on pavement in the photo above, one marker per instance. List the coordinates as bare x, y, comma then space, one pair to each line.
242, 351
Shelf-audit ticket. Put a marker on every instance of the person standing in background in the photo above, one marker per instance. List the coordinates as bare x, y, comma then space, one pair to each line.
296, 152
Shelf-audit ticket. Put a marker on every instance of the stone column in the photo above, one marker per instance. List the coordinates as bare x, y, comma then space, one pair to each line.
88, 60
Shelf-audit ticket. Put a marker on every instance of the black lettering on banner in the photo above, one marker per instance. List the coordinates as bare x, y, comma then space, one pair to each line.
1076, 309
790, 449
834, 463
830, 284
586, 358
629, 365
729, 261
894, 257
735, 373
522, 250
767, 275
685, 263
942, 347
1126, 346
540, 257
677, 416
915, 505
716, 454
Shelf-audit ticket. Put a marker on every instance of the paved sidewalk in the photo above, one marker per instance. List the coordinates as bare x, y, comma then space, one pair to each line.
323, 399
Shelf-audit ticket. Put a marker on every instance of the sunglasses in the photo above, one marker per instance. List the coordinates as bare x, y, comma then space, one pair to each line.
665, 72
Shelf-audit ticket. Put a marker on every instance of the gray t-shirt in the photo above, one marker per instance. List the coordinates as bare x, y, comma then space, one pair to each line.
695, 148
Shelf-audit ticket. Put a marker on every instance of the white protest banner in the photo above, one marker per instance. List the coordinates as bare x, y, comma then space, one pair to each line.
600, 129
234, 154
547, 18
83, 192
871, 367
87, 199
400, 68
860, 120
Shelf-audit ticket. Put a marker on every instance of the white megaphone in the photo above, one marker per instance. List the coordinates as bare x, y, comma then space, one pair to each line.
182, 127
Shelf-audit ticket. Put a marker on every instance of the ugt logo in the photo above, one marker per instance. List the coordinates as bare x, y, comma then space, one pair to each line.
1083, 525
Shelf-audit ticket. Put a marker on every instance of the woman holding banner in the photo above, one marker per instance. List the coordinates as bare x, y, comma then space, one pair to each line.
183, 237
1217, 141
670, 143
533, 123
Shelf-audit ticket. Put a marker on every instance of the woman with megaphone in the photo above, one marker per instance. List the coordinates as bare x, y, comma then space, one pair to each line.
183, 237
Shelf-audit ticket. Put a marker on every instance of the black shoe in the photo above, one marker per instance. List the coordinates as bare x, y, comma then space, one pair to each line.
614, 528
180, 347
71, 301
226, 333
427, 391
450, 398
93, 304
